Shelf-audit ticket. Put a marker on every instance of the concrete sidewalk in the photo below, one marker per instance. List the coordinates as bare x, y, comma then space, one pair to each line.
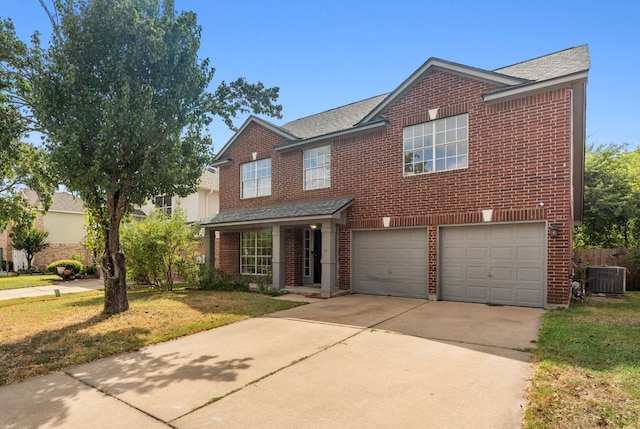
73, 286
343, 362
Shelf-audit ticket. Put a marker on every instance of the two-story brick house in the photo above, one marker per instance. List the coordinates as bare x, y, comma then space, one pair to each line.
461, 184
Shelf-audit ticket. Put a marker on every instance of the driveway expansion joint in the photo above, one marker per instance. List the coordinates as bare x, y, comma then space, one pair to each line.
109, 394
276, 371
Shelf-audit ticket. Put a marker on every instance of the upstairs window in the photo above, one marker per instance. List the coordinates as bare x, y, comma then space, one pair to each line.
163, 203
438, 145
255, 178
317, 168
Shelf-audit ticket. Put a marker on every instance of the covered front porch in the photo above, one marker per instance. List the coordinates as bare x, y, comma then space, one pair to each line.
296, 245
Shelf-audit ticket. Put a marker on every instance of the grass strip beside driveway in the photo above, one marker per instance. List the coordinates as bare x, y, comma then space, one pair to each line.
46, 334
26, 280
587, 368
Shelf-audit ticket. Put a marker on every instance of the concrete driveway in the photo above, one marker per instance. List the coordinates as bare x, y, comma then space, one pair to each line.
350, 362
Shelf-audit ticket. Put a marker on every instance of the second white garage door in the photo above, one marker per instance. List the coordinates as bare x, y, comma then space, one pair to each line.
499, 264
390, 262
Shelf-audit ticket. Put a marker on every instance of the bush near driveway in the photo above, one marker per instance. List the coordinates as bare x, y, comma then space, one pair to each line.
47, 334
587, 367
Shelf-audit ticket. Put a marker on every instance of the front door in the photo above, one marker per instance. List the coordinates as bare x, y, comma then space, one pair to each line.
312, 254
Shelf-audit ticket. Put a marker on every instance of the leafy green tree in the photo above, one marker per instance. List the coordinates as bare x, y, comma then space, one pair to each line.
123, 99
612, 198
94, 240
21, 164
160, 247
31, 241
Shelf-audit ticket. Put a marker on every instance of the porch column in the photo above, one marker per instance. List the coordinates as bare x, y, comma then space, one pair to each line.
329, 260
209, 247
277, 257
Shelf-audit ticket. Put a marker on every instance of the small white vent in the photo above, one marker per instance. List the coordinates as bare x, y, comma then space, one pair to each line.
606, 279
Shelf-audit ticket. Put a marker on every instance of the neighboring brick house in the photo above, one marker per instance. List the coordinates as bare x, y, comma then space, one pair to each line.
461, 184
64, 221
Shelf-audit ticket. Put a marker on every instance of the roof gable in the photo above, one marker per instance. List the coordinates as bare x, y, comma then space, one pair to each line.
436, 63
220, 158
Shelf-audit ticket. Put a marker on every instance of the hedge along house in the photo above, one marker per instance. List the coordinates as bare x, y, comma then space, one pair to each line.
461, 184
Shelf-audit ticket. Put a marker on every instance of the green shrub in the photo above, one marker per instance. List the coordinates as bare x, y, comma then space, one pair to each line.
88, 270
215, 279
69, 264
6, 264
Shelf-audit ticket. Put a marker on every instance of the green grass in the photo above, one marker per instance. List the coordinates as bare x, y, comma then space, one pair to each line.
26, 280
46, 334
587, 367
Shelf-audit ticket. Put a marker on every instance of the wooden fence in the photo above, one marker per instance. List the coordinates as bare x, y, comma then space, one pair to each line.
628, 258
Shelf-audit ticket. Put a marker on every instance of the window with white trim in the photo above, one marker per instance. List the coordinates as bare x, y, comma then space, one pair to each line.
163, 203
255, 253
317, 168
436, 145
255, 178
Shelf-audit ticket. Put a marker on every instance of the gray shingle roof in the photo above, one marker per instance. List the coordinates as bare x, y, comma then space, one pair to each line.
333, 120
352, 117
562, 63
307, 209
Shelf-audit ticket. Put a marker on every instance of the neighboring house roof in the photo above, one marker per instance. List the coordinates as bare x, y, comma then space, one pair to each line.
62, 201
209, 180
365, 116
322, 208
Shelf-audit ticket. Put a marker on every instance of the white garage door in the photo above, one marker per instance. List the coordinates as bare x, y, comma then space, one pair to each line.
390, 262
499, 264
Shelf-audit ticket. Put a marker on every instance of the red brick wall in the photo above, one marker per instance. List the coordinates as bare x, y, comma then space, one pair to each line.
229, 258
519, 154
58, 251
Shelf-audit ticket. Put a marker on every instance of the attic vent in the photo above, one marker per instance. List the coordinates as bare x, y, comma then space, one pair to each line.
606, 279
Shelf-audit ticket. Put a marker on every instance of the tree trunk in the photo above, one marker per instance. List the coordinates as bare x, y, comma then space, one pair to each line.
113, 261
115, 282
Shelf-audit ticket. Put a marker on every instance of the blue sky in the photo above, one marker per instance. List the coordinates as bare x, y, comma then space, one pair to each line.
325, 54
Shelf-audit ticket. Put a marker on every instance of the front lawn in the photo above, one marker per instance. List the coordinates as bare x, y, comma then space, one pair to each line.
27, 280
45, 334
587, 369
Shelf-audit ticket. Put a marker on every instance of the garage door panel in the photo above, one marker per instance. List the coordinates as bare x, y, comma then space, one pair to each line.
398, 265
507, 267
530, 296
501, 295
476, 273
529, 275
476, 234
475, 292
476, 253
529, 231
457, 252
529, 253
502, 252
507, 233
502, 273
